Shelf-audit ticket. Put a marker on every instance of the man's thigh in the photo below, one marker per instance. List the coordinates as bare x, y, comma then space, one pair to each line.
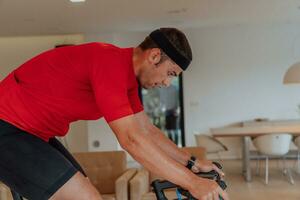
30, 166
77, 188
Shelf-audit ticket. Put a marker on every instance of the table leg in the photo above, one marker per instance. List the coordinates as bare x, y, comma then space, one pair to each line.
246, 158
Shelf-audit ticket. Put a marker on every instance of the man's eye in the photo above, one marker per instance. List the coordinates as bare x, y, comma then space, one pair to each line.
171, 74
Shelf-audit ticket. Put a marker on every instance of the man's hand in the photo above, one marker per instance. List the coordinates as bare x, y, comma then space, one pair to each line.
206, 166
206, 189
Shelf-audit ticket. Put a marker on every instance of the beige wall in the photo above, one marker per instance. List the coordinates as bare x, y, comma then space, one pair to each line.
16, 50
77, 137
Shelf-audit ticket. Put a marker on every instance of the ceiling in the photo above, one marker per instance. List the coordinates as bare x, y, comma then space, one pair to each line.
36, 17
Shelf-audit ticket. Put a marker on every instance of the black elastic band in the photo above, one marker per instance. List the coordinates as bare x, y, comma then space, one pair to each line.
162, 41
191, 162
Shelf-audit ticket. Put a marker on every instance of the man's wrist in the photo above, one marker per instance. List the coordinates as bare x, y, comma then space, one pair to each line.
198, 163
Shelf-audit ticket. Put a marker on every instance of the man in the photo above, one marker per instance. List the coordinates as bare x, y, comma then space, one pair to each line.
43, 96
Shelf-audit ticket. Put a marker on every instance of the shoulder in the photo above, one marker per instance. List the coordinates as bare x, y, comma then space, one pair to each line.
96, 47
104, 47
109, 54
108, 59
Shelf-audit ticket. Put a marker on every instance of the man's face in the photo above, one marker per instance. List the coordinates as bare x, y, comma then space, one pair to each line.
156, 73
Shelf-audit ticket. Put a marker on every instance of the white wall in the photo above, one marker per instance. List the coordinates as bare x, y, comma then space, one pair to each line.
16, 50
237, 75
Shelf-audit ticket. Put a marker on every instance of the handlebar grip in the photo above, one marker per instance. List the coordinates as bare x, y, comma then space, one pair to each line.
160, 186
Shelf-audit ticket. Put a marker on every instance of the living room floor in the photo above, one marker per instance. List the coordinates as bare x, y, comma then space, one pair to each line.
278, 188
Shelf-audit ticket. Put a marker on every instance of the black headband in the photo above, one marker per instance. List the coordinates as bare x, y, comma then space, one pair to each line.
162, 41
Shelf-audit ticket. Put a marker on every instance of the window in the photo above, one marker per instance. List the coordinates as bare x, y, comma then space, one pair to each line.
164, 106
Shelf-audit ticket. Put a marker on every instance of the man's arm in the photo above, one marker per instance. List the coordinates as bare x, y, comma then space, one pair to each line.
161, 140
170, 148
141, 147
130, 135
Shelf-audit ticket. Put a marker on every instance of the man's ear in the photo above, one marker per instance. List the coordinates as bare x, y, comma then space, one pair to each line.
155, 56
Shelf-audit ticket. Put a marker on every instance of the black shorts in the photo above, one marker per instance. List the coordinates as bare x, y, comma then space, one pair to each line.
32, 167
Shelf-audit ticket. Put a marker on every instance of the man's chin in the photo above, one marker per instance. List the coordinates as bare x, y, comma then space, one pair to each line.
146, 87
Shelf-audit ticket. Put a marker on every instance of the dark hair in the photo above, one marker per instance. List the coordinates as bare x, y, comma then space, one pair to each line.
177, 39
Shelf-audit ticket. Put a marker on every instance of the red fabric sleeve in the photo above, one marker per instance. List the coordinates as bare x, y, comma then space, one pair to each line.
135, 101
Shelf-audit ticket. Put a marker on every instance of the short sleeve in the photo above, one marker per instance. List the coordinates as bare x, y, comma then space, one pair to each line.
109, 83
134, 99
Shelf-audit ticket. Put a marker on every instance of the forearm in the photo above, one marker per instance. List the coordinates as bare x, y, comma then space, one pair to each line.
168, 146
159, 138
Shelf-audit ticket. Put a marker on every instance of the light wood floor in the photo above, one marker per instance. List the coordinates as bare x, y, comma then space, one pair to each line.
278, 188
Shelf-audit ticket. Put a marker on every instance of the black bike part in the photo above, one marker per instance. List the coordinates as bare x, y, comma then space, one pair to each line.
160, 185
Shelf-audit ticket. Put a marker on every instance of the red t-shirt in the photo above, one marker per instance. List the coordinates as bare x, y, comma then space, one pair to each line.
82, 82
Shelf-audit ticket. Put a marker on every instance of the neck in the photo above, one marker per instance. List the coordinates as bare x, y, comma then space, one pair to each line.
137, 60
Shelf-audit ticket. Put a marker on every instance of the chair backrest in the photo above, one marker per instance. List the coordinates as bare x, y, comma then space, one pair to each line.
297, 142
273, 144
103, 168
210, 144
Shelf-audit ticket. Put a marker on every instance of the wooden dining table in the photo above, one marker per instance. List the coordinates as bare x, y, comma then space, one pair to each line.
249, 129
